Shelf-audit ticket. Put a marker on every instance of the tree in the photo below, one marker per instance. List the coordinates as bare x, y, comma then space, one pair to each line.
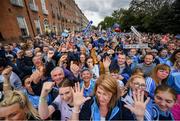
107, 22
175, 20
148, 7
159, 16
93, 27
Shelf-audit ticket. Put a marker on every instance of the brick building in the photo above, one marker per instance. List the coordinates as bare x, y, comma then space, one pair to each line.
21, 19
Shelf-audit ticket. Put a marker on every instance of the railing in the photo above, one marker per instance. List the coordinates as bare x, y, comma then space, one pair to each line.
18, 3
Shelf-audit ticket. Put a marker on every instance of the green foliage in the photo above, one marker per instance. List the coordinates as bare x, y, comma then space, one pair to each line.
108, 22
94, 27
159, 16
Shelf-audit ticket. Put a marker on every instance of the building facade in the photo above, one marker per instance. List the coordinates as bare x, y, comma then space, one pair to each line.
21, 19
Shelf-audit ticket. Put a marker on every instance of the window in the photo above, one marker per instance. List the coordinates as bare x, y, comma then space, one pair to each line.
45, 11
43, 4
1, 37
38, 26
33, 5
23, 26
17, 2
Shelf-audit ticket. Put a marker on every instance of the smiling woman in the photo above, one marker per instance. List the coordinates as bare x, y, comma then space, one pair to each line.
106, 104
159, 76
165, 97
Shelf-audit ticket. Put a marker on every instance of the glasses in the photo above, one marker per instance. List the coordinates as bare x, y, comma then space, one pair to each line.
138, 85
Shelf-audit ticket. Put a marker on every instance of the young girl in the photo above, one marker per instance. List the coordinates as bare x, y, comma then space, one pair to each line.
82, 60
93, 67
164, 99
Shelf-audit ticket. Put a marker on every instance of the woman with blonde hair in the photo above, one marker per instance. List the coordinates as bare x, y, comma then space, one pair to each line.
15, 105
106, 104
159, 76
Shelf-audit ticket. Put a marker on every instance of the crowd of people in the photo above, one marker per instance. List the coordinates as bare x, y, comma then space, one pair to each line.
91, 76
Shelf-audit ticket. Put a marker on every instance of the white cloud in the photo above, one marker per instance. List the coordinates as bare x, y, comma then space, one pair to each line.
94, 16
96, 10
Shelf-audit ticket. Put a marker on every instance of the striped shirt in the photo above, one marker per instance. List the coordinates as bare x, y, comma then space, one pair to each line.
150, 86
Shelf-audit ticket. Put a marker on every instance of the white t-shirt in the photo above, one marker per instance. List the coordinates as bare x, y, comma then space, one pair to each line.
65, 109
95, 71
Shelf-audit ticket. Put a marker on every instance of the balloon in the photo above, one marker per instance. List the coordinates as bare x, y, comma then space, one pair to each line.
117, 29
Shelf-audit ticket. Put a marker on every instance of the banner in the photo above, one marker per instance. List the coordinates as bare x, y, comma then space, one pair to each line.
142, 46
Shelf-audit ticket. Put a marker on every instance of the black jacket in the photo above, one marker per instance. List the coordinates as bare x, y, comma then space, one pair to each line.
122, 114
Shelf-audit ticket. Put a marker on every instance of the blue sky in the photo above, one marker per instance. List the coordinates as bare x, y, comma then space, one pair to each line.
96, 10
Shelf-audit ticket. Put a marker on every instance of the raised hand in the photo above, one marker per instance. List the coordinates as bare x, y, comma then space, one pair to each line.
47, 87
63, 58
7, 73
111, 51
36, 76
19, 54
122, 91
106, 62
41, 70
120, 77
78, 98
74, 68
139, 106
50, 54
